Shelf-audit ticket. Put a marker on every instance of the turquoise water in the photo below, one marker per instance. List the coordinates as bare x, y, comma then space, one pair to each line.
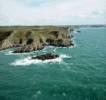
79, 73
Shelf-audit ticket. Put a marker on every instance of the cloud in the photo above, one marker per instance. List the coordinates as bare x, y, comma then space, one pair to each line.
31, 12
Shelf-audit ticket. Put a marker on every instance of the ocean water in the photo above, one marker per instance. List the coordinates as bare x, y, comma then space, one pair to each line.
78, 74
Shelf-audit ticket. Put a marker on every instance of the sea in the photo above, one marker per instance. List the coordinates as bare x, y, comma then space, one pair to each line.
79, 73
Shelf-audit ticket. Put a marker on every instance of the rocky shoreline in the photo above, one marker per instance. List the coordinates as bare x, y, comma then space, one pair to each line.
27, 39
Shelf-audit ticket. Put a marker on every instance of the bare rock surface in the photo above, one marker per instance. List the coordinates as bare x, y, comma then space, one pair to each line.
32, 38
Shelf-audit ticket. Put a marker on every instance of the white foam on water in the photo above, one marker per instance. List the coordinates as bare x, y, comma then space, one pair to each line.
75, 32
7, 52
64, 56
4, 51
28, 61
10, 52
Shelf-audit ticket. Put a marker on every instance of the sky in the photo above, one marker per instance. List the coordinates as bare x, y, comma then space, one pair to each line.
52, 12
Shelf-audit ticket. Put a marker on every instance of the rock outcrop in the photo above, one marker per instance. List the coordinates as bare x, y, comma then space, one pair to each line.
47, 56
26, 39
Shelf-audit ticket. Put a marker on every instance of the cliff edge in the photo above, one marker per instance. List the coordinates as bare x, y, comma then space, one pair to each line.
26, 39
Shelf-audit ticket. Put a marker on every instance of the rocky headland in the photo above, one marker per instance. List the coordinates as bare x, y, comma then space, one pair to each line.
32, 38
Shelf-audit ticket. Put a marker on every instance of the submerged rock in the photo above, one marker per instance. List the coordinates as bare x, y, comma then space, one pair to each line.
47, 56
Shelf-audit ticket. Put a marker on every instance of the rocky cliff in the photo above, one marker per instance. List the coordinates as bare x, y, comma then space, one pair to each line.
26, 39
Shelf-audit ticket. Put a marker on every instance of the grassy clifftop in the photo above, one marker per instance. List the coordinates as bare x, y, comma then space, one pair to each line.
34, 38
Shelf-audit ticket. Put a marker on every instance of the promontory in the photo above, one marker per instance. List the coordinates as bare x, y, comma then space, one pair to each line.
32, 38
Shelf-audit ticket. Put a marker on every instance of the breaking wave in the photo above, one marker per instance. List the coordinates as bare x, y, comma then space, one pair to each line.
64, 56
28, 61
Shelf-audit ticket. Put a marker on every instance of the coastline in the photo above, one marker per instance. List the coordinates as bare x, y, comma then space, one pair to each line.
27, 39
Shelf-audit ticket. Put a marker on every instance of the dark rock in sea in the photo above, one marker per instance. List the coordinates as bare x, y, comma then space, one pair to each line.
47, 56
78, 31
26, 49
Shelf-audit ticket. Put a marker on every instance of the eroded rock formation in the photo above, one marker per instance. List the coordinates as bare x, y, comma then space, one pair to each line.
26, 39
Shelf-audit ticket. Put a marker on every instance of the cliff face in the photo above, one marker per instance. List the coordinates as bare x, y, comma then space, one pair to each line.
28, 39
